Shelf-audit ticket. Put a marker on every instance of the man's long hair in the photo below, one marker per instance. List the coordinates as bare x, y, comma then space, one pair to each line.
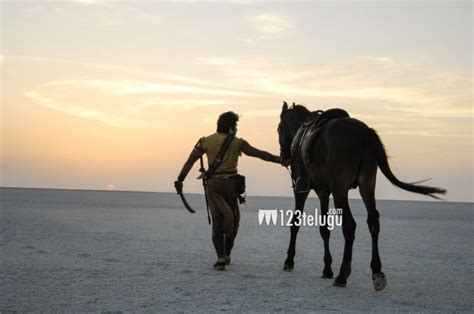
227, 121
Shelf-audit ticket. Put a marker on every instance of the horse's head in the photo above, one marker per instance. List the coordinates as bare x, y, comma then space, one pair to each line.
291, 119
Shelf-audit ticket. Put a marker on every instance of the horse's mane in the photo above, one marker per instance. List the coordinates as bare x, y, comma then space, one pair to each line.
299, 109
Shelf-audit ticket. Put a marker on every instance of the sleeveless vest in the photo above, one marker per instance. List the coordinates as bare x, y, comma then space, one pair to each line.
212, 144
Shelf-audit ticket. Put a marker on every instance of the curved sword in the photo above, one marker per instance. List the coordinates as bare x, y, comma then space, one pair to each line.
179, 190
186, 203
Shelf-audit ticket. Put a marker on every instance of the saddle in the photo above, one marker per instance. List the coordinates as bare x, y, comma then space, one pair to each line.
311, 128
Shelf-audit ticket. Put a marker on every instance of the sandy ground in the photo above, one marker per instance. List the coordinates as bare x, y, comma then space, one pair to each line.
142, 252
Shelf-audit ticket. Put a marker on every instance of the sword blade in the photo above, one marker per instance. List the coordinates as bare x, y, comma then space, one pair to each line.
186, 203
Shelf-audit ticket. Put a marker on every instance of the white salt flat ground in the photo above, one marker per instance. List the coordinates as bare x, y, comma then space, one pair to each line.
142, 252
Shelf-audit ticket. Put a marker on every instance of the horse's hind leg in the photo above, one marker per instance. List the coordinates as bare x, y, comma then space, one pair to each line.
325, 234
367, 191
348, 230
300, 199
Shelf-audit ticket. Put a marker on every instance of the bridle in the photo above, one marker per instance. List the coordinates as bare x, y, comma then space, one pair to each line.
285, 152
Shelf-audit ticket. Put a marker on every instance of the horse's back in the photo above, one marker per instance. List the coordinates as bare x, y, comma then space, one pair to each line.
336, 136
345, 132
338, 150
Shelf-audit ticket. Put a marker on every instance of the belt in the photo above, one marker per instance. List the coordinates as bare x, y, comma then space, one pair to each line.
225, 172
224, 175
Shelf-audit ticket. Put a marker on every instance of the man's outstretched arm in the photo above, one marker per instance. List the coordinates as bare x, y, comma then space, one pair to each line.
249, 150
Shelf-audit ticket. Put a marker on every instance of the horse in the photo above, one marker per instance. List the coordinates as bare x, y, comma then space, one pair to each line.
345, 153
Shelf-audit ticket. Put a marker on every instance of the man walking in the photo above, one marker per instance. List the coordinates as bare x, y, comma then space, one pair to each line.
222, 186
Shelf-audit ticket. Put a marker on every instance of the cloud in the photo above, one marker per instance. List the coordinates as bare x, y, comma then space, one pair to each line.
127, 69
415, 86
82, 112
272, 25
189, 103
383, 88
212, 1
268, 26
218, 61
130, 87
101, 13
414, 132
90, 1
186, 104
262, 113
433, 112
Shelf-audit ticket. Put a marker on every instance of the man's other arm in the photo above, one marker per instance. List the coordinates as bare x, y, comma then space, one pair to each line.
249, 150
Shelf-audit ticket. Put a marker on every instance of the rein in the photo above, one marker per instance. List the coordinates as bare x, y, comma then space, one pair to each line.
291, 176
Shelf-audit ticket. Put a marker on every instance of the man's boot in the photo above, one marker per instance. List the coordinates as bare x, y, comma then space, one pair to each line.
219, 245
220, 263
229, 244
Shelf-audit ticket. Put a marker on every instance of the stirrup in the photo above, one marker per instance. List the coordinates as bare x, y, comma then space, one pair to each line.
301, 189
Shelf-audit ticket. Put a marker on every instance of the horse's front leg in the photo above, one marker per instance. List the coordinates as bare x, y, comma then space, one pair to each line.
300, 199
325, 233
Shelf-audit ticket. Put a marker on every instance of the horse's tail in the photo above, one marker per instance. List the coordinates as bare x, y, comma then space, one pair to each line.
378, 149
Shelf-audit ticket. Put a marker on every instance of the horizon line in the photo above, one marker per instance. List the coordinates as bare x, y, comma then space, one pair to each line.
190, 193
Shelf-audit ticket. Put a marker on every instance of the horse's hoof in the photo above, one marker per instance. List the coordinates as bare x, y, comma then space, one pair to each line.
379, 280
288, 267
340, 282
327, 274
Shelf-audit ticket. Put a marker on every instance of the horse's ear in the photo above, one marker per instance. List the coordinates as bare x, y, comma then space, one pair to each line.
285, 107
294, 105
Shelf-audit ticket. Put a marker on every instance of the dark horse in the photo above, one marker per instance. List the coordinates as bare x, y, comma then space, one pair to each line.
344, 155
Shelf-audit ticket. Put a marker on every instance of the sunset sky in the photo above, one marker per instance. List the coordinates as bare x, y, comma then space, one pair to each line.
113, 96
